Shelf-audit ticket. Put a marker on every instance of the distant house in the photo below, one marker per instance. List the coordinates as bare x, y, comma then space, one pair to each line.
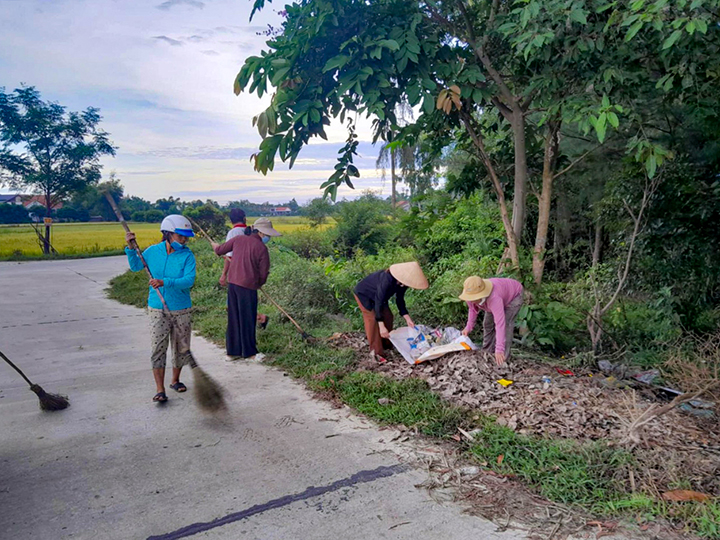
403, 205
34, 201
11, 199
280, 211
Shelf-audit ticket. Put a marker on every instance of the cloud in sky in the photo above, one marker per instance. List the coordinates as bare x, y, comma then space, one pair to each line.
170, 41
172, 3
162, 75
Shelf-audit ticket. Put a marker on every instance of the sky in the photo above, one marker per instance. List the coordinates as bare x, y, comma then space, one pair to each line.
161, 72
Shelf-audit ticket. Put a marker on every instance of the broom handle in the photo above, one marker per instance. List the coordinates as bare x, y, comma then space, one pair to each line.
16, 368
274, 303
199, 228
135, 246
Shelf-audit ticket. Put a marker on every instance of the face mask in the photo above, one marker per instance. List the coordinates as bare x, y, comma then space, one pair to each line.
265, 239
176, 245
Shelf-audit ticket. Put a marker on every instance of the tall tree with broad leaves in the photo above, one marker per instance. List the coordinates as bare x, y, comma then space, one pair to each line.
46, 149
552, 64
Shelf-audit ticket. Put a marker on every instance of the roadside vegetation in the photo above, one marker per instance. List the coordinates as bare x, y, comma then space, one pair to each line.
312, 276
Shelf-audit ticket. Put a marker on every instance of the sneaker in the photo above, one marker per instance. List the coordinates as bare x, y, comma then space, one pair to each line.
233, 359
259, 357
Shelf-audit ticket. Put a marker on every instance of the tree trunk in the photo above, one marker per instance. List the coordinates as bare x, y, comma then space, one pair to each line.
480, 145
597, 246
48, 213
393, 180
520, 195
544, 201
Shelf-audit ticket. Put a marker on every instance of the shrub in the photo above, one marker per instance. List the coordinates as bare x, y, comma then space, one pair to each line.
300, 287
13, 213
445, 228
362, 224
317, 211
308, 243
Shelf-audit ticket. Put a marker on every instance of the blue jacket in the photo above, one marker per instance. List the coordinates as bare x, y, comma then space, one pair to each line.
177, 270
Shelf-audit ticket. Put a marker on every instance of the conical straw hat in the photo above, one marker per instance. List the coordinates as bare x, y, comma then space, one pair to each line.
409, 274
476, 288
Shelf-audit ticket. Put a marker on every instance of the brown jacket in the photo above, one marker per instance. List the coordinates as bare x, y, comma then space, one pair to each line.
250, 263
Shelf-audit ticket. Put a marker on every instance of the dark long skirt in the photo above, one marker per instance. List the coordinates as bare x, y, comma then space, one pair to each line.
242, 315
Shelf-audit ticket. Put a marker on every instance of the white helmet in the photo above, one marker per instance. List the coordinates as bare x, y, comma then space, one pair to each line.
177, 224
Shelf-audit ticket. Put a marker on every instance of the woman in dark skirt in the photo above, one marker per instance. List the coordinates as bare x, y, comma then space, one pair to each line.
248, 271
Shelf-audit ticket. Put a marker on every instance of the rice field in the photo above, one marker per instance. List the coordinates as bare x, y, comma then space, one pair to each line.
93, 239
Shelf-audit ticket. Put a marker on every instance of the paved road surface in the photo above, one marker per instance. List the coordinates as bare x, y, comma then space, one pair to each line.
116, 466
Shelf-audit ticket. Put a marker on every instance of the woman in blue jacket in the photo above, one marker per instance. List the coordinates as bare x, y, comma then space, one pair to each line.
172, 266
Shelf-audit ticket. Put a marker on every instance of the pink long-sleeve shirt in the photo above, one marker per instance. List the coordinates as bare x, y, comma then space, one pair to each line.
504, 291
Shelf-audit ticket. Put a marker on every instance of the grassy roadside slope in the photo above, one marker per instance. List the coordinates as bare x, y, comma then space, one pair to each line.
589, 477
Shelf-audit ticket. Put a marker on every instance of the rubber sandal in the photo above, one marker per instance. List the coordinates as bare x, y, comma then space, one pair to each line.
179, 387
160, 397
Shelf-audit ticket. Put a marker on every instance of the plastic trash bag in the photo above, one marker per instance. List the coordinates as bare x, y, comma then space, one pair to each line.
422, 343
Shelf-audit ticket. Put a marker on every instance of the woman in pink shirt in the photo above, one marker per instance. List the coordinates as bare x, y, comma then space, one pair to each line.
501, 300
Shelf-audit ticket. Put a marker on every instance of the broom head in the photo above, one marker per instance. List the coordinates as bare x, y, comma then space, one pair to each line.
209, 394
50, 402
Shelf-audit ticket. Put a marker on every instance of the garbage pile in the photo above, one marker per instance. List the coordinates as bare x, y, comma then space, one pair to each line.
422, 343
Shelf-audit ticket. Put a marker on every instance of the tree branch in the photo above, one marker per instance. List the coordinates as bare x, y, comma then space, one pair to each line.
575, 162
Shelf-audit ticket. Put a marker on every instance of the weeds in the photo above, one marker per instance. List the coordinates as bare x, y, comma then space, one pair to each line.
593, 476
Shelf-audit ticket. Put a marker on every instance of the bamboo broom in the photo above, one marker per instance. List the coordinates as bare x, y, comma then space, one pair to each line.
208, 392
48, 402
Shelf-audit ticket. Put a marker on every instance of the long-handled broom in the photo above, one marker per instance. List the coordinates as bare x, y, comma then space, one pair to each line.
209, 394
307, 337
48, 402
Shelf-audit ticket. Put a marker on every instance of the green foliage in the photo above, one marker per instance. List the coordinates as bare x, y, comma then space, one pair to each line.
46, 149
411, 402
212, 220
470, 226
299, 285
147, 216
310, 243
129, 288
362, 224
317, 210
13, 213
582, 475
551, 323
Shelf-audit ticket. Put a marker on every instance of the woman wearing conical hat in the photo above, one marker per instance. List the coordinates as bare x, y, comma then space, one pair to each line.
373, 295
501, 300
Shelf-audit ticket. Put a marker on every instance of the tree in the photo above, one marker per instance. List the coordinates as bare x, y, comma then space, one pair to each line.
13, 213
317, 211
47, 149
541, 67
210, 218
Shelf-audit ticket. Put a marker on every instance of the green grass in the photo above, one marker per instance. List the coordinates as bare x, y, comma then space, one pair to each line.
592, 477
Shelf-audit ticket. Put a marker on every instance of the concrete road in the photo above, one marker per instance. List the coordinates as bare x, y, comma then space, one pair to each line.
114, 465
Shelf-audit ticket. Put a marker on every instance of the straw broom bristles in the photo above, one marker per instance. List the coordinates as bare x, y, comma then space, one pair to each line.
208, 393
48, 402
